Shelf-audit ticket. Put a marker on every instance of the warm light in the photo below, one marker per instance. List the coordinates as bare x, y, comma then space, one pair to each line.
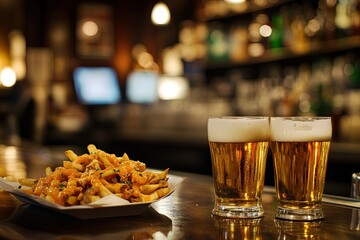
172, 62
342, 19
187, 35
145, 60
254, 32
261, 2
136, 50
256, 49
8, 77
265, 30
235, 1
172, 87
12, 164
90, 28
17, 44
160, 14
312, 27
19, 66
18, 53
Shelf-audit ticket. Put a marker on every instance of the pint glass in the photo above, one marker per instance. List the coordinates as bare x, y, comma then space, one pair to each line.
300, 148
238, 148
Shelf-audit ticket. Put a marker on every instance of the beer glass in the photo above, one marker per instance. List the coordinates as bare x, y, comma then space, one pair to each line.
238, 148
300, 148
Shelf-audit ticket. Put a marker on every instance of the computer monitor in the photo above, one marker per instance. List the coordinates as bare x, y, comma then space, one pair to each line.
141, 87
97, 85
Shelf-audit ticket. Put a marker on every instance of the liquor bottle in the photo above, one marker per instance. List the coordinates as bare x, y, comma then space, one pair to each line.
238, 42
218, 50
276, 37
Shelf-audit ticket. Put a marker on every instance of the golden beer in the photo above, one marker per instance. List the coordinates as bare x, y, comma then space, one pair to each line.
300, 166
238, 166
239, 172
301, 179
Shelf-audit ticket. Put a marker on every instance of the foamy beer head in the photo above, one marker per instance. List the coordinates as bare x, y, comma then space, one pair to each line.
300, 129
238, 129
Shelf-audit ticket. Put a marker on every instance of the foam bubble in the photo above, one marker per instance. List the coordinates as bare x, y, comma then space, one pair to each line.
238, 129
300, 129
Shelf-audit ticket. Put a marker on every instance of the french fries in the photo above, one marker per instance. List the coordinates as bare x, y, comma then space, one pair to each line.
83, 179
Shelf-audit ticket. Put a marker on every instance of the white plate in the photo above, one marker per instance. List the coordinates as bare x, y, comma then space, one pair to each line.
109, 206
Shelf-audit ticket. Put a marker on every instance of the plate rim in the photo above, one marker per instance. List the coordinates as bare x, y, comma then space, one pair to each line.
85, 211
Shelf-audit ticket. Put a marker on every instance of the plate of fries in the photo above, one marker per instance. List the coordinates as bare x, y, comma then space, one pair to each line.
95, 185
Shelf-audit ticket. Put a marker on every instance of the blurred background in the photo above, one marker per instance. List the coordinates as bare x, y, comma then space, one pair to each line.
142, 77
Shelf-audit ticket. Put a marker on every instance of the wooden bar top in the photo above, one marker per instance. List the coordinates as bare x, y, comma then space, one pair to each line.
185, 214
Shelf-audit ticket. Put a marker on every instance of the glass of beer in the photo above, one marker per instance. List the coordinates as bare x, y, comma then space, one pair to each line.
238, 148
300, 148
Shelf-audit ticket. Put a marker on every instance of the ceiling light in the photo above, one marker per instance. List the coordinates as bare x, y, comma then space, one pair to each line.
160, 14
8, 77
90, 28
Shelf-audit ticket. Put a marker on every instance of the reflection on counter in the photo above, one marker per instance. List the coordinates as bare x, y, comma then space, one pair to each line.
151, 225
355, 220
28, 160
11, 164
245, 229
299, 230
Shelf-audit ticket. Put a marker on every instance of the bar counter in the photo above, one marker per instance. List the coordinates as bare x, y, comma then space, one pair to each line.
185, 214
